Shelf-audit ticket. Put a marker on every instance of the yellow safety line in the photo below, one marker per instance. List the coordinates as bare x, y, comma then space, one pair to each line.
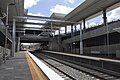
37, 72
39, 75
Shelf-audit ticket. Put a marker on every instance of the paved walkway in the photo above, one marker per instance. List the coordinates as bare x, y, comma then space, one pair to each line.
16, 68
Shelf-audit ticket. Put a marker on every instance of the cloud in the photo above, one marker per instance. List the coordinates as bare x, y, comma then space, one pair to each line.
114, 15
30, 3
61, 9
70, 1
81, 1
92, 24
35, 21
38, 14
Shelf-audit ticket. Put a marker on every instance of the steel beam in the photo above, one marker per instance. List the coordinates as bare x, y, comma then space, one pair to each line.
44, 19
32, 23
34, 28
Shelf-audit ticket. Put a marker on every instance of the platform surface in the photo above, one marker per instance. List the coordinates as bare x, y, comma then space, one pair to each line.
16, 68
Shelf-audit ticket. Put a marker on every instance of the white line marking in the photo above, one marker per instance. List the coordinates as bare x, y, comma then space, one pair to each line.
49, 72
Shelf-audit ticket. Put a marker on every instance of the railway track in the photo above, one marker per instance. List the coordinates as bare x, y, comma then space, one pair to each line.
64, 67
57, 70
65, 71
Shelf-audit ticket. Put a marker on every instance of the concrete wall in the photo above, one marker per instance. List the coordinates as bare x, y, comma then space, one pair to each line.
53, 44
99, 49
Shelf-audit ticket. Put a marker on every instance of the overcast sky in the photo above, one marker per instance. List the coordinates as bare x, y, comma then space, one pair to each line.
47, 7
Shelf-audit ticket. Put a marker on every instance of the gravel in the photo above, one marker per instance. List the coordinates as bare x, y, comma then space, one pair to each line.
76, 74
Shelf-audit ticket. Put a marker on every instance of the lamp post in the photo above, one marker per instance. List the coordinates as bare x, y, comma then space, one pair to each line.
6, 29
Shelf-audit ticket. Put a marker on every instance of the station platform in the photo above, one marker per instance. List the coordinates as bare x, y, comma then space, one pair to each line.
21, 67
26, 66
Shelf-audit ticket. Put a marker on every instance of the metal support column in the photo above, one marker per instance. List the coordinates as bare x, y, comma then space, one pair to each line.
84, 27
59, 41
65, 29
7, 12
51, 28
14, 36
75, 29
81, 43
104, 17
6, 36
52, 38
75, 37
72, 37
107, 30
